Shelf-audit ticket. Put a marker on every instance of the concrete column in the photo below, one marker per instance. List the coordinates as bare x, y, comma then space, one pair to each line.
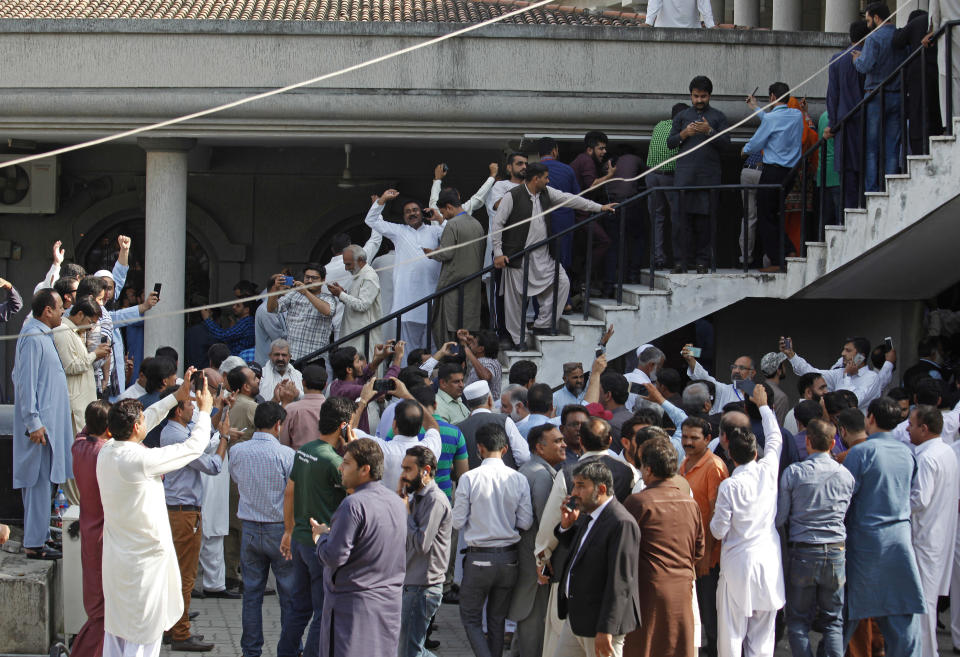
166, 238
787, 15
746, 13
719, 13
838, 14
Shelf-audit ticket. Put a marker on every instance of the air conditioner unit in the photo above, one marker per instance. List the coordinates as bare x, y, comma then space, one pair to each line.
29, 188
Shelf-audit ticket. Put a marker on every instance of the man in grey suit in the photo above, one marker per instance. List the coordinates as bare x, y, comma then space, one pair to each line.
532, 592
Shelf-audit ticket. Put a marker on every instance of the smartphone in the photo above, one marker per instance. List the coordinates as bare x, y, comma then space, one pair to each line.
573, 503
454, 349
858, 359
445, 167
344, 430
288, 281
156, 289
639, 389
694, 351
746, 387
196, 381
788, 344
104, 339
383, 385
889, 342
599, 351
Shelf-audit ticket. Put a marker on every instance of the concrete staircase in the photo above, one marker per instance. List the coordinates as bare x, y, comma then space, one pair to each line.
845, 265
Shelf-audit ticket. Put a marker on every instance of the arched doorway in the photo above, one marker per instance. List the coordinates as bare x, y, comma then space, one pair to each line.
98, 250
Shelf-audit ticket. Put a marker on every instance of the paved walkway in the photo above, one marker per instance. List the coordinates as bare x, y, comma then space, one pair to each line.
219, 622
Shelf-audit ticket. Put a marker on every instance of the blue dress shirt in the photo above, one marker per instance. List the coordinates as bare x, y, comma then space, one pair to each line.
780, 136
261, 467
184, 486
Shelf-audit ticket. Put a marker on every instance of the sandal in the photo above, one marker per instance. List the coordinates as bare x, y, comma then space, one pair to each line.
45, 553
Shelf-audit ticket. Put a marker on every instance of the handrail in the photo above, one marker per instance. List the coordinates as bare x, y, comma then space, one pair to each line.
429, 299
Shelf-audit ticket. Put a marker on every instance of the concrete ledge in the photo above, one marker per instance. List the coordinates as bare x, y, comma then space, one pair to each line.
29, 613
424, 30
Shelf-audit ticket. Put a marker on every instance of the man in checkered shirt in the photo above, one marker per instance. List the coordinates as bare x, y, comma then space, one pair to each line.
309, 312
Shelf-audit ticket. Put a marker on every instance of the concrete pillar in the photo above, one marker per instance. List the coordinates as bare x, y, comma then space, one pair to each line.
166, 238
787, 15
838, 14
746, 13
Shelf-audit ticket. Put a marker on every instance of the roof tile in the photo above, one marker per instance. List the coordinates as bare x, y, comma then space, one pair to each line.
405, 11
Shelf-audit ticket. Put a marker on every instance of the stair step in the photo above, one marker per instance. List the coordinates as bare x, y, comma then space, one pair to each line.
644, 290
919, 158
816, 244
877, 194
839, 229
569, 319
943, 138
525, 353
611, 304
898, 176
795, 259
560, 337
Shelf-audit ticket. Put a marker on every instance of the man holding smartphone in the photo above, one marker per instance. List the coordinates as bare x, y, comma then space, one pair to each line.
854, 376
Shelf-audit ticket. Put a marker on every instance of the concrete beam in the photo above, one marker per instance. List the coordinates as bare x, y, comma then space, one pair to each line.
29, 613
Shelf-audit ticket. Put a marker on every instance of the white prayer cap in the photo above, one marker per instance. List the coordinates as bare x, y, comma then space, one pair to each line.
231, 362
103, 273
642, 348
476, 390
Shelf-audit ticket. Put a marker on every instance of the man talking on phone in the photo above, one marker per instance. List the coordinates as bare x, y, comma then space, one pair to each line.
854, 376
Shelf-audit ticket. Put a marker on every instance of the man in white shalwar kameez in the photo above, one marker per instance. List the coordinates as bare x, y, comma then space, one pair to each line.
511, 233
751, 589
141, 587
361, 300
933, 517
414, 275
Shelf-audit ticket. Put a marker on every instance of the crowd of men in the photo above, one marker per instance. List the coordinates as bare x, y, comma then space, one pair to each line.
652, 512
622, 514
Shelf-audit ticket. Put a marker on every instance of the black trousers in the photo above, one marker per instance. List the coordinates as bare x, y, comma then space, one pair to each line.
691, 239
768, 210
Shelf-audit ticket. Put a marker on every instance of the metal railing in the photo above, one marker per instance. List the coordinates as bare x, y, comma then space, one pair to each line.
856, 118
801, 169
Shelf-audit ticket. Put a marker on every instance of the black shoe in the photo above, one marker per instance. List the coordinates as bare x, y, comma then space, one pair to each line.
192, 615
956, 650
433, 644
678, 269
193, 644
166, 640
702, 269
45, 553
451, 597
198, 594
56, 545
540, 331
226, 593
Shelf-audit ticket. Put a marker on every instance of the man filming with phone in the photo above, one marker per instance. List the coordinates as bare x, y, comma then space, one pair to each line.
854, 376
741, 374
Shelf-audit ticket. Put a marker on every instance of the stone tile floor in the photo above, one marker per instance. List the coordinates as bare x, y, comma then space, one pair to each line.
219, 622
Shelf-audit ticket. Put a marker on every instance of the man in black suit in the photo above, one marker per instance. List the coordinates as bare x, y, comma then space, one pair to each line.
598, 588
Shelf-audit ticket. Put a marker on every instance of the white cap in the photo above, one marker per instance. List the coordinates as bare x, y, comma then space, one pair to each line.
643, 348
103, 273
476, 390
231, 362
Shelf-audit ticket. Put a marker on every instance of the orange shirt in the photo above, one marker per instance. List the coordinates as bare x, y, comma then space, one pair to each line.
704, 478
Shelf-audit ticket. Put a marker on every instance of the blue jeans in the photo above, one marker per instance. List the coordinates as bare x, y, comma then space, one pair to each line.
815, 584
259, 552
891, 138
420, 603
307, 600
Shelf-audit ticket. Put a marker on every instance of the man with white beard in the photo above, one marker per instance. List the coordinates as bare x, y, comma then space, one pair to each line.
933, 520
649, 363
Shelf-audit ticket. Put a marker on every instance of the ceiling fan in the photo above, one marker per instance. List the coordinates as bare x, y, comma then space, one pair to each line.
348, 181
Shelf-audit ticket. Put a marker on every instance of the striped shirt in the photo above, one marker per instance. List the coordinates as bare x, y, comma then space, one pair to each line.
658, 151
261, 467
453, 448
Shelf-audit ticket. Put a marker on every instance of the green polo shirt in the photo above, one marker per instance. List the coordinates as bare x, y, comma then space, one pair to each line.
317, 491
450, 409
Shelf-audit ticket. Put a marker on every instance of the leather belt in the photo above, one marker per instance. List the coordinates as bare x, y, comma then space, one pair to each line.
817, 546
182, 507
491, 550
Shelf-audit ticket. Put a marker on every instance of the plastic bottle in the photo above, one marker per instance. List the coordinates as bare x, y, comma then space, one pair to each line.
61, 505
